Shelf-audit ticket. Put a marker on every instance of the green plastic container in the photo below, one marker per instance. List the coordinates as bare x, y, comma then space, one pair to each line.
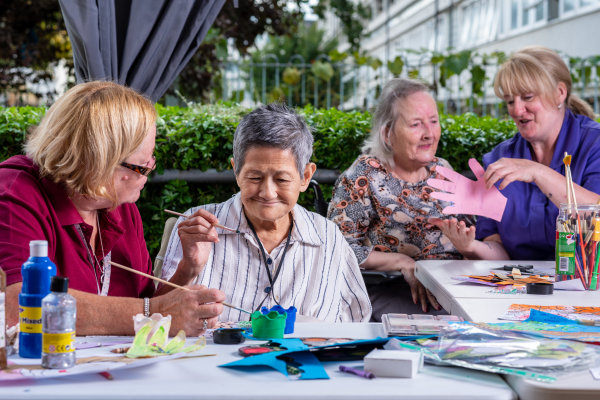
268, 326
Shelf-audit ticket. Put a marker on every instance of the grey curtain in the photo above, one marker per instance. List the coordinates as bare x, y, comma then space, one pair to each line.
143, 44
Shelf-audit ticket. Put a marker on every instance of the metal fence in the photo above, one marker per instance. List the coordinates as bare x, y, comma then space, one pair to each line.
353, 86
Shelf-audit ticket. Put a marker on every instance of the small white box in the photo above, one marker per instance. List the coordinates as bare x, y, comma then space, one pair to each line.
394, 363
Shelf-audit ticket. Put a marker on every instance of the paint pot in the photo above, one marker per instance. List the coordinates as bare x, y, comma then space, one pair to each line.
228, 336
540, 288
268, 326
290, 319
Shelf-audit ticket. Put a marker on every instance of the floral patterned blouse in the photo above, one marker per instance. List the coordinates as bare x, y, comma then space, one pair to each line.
377, 211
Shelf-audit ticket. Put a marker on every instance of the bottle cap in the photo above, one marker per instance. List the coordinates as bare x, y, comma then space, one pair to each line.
59, 284
38, 248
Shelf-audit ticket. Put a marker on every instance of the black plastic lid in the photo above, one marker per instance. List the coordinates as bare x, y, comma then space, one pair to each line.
59, 284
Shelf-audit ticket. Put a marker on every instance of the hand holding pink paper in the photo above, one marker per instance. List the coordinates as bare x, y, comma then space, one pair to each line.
469, 197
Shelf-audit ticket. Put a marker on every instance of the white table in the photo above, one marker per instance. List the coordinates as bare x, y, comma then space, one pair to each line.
201, 378
477, 303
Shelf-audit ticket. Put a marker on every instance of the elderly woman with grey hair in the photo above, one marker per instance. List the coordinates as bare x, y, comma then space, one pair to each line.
281, 254
382, 203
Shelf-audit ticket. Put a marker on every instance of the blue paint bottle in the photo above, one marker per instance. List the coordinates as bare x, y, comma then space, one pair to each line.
36, 272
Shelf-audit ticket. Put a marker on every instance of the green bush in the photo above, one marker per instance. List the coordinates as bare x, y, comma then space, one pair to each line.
200, 137
468, 135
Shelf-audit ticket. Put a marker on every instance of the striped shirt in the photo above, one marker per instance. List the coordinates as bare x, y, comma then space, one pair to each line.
319, 276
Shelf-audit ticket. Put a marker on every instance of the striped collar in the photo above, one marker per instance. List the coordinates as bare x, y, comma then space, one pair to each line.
306, 223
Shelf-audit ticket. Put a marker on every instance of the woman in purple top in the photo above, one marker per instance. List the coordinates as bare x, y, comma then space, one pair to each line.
528, 169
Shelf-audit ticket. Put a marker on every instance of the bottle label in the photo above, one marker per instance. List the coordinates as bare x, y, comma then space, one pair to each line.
30, 319
565, 253
58, 343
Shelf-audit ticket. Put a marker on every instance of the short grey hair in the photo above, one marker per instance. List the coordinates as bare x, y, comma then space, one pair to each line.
386, 115
273, 125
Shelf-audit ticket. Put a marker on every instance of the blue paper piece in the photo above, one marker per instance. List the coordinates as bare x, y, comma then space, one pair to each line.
541, 316
291, 344
310, 365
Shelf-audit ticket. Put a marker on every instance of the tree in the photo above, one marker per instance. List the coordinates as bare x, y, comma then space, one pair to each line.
242, 25
309, 43
351, 15
34, 38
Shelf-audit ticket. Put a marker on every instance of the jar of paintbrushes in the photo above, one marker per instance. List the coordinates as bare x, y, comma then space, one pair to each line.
577, 241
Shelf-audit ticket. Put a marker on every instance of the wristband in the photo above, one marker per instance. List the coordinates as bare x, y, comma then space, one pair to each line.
146, 307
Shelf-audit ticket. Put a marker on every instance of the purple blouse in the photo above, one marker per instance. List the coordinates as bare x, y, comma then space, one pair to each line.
528, 226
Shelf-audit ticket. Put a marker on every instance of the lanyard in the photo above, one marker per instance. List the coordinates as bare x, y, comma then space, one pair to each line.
272, 278
106, 267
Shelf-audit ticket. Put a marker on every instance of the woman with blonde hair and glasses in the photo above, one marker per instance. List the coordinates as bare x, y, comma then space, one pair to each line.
84, 167
528, 169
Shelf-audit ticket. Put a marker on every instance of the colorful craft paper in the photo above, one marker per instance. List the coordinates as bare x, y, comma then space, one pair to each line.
298, 354
467, 196
520, 312
551, 326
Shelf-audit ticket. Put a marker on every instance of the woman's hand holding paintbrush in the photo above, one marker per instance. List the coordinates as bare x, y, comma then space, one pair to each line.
215, 223
196, 232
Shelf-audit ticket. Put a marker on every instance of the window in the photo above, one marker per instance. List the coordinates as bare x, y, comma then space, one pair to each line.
569, 5
533, 11
477, 23
525, 14
514, 14
574, 6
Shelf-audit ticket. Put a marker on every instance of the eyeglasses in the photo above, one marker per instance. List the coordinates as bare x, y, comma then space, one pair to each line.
142, 170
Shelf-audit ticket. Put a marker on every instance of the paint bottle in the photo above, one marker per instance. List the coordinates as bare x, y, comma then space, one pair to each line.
36, 273
58, 326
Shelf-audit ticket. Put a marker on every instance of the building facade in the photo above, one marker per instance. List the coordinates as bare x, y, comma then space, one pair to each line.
484, 26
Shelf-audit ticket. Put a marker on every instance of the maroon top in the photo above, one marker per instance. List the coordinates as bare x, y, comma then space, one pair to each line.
34, 208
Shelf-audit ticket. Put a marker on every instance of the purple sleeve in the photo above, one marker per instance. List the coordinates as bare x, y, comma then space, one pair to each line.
485, 227
591, 175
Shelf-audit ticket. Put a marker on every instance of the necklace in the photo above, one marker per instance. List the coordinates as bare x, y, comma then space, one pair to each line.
104, 266
272, 278
100, 266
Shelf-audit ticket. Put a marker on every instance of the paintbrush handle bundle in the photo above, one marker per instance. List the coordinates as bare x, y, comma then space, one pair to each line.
577, 244
577, 237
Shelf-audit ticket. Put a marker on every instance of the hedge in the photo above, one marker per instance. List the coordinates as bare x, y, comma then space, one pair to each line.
200, 137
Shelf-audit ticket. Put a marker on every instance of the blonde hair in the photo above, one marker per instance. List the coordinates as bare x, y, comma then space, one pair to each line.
538, 70
87, 133
386, 114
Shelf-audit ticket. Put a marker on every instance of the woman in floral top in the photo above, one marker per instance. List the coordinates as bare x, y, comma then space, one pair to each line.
382, 203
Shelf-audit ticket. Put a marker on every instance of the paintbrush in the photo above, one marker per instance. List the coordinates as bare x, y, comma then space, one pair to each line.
215, 225
135, 271
570, 188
